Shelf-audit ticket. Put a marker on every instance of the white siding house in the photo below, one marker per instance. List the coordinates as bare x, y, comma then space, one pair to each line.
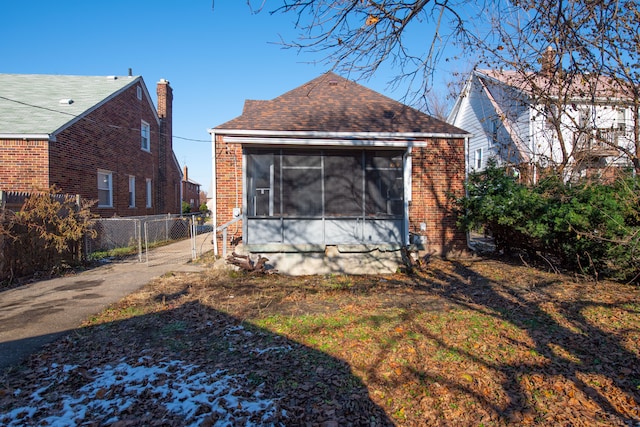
511, 126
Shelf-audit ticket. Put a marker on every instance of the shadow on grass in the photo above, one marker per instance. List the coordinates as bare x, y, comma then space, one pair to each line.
188, 365
573, 364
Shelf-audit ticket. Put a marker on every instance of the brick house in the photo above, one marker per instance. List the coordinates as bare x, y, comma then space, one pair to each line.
99, 137
190, 191
333, 167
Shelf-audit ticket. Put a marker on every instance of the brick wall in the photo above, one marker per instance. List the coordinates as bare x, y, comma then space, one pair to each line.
191, 191
438, 171
169, 181
109, 139
24, 164
228, 174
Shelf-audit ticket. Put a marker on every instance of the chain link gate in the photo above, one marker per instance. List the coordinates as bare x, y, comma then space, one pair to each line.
183, 238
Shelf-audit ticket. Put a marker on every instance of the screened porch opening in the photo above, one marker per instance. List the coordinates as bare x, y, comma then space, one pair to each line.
324, 197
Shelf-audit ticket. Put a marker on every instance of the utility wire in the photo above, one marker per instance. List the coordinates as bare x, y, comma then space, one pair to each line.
91, 120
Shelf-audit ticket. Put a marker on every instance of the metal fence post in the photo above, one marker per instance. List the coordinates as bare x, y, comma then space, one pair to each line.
194, 254
137, 230
146, 242
224, 243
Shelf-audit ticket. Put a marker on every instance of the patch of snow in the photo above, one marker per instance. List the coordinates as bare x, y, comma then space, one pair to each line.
261, 351
182, 388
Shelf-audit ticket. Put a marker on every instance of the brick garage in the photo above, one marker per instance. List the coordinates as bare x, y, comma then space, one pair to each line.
411, 164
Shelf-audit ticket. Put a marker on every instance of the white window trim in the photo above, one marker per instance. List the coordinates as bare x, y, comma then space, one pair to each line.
149, 193
495, 126
145, 133
478, 159
139, 92
621, 119
109, 186
132, 191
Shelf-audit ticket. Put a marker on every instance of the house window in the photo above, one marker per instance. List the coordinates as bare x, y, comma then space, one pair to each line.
145, 132
384, 188
621, 122
478, 159
132, 191
584, 119
495, 125
331, 183
301, 188
105, 189
139, 92
551, 114
149, 193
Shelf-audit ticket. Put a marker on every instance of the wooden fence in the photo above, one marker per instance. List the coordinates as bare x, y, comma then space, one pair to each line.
13, 200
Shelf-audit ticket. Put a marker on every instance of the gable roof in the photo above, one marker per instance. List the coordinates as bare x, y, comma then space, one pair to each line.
333, 104
585, 87
38, 105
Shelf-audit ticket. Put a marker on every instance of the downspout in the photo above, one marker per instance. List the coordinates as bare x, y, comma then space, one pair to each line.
181, 194
214, 192
534, 143
466, 181
407, 170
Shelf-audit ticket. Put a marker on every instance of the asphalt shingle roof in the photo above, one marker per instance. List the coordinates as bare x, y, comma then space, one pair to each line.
331, 103
585, 86
31, 103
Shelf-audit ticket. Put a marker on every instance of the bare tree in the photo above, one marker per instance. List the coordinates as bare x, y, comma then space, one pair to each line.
562, 52
357, 37
596, 38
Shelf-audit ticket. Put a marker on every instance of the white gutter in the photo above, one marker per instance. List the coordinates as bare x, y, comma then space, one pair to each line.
337, 135
213, 190
324, 142
49, 137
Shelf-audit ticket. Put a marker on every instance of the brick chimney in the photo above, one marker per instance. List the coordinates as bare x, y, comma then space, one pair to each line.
186, 174
165, 151
165, 108
548, 64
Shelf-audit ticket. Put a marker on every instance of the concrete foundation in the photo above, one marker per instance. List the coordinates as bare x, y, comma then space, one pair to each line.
332, 261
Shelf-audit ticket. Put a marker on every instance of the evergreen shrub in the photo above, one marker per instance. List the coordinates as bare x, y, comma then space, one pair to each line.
587, 227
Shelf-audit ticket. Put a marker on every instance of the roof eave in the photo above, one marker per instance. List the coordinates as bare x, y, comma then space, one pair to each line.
48, 137
346, 136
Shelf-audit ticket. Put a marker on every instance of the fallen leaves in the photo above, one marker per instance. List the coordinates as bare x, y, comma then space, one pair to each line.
461, 343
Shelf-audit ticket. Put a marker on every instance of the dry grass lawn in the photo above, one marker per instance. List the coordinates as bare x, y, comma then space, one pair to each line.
467, 343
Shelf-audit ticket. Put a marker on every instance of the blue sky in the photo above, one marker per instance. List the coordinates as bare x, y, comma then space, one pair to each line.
213, 58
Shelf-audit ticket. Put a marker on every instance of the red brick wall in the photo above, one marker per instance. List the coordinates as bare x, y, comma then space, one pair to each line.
191, 191
108, 139
438, 171
228, 174
24, 165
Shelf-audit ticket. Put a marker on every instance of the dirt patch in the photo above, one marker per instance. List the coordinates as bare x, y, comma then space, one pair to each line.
478, 342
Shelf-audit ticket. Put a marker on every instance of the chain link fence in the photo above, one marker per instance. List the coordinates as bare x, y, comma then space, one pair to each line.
138, 235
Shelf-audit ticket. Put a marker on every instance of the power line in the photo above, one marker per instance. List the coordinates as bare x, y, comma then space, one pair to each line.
191, 139
91, 120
